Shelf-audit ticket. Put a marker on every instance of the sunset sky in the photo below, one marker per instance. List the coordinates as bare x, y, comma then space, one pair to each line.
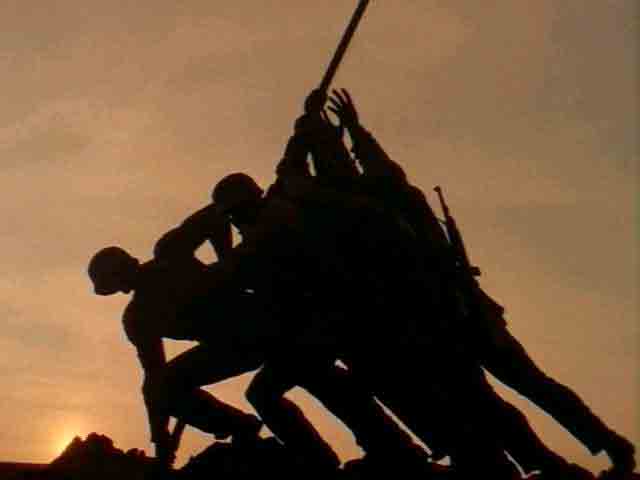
117, 118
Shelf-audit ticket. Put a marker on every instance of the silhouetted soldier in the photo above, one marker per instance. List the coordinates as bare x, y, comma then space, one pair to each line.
330, 261
174, 298
382, 180
486, 329
315, 137
162, 306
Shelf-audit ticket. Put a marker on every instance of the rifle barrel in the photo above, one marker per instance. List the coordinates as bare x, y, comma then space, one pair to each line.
445, 208
455, 237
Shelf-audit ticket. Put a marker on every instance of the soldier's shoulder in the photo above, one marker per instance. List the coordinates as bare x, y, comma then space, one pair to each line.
207, 219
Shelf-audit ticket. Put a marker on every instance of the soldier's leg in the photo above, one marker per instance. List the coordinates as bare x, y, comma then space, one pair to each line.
339, 392
203, 365
446, 406
505, 358
497, 420
342, 393
284, 418
349, 400
410, 410
521, 441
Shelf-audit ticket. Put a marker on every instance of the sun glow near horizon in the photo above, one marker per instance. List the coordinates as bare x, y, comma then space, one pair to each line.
60, 439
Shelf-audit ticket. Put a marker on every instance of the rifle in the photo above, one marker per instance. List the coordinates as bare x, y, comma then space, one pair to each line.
455, 239
477, 299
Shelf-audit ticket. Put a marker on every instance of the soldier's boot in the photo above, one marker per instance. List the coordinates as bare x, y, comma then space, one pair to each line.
621, 452
597, 437
509, 362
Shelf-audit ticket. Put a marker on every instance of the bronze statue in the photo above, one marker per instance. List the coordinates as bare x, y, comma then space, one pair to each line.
485, 328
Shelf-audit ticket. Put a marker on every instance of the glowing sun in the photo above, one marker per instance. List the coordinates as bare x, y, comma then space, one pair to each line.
62, 439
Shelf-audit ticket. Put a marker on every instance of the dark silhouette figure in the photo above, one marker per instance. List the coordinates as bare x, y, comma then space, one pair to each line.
485, 328
331, 256
282, 269
176, 296
315, 135
163, 306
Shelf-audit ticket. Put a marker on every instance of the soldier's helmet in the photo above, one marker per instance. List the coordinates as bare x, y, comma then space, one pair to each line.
106, 269
235, 190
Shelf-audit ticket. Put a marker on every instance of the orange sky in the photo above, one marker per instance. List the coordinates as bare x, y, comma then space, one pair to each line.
117, 118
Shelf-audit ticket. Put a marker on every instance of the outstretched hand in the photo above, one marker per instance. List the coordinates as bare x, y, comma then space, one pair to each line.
315, 118
342, 105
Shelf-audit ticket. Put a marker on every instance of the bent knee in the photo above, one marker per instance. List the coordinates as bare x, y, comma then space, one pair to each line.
168, 389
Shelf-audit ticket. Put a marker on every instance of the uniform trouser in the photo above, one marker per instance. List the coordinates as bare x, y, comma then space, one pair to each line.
446, 402
240, 350
458, 418
462, 389
205, 365
496, 417
233, 342
435, 385
335, 388
499, 418
330, 384
179, 391
507, 360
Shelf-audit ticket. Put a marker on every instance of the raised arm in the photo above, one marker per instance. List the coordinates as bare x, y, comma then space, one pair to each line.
317, 139
391, 182
372, 157
204, 225
294, 161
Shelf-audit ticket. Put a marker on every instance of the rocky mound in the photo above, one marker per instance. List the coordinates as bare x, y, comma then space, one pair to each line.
96, 458
269, 458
